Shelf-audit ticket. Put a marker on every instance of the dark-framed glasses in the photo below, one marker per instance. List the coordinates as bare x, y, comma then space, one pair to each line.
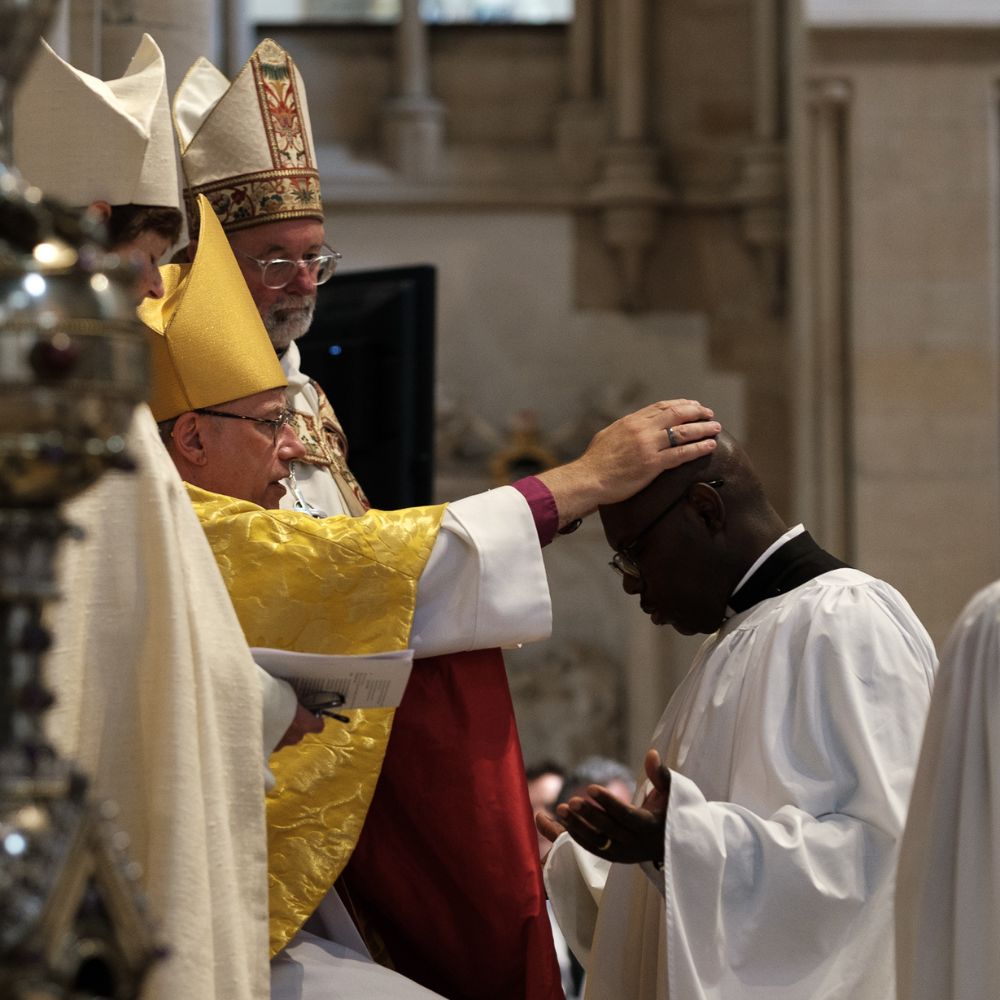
280, 272
625, 560
275, 423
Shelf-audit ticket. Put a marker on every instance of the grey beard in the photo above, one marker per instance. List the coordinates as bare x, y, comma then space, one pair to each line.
284, 329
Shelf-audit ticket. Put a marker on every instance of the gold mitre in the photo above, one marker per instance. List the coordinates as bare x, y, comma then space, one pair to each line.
248, 145
207, 343
81, 139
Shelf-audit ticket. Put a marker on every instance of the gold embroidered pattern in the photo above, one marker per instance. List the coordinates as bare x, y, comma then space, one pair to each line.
251, 199
279, 107
340, 585
336, 442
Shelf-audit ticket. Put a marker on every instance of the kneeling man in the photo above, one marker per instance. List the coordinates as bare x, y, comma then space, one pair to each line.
758, 859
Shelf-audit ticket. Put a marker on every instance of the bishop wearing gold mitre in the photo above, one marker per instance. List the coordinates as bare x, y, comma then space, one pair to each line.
336, 585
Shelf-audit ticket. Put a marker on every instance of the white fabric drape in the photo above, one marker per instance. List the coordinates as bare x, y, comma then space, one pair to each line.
160, 703
948, 896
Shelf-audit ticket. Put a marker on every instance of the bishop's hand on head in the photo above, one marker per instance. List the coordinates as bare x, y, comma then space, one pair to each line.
629, 454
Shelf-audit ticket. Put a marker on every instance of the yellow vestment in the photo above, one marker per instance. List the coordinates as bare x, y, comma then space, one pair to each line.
338, 585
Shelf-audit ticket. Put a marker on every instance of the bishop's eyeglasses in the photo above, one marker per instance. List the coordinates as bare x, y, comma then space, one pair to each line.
280, 272
275, 423
625, 560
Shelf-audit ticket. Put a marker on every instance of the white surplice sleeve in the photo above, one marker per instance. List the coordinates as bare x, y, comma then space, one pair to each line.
484, 584
948, 894
574, 882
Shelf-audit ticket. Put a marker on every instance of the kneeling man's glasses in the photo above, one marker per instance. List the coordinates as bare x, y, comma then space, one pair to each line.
625, 560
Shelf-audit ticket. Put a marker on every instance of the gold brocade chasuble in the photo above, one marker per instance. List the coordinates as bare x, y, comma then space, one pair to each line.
338, 585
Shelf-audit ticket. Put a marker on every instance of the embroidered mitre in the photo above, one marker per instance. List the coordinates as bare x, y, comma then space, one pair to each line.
117, 131
247, 145
207, 343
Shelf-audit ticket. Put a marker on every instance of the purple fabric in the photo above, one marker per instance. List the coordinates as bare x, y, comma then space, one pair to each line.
543, 507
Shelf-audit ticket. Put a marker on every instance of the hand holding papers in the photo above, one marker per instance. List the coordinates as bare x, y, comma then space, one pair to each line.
324, 682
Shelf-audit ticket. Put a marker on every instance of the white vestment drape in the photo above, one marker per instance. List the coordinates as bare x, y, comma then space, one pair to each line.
948, 894
792, 744
160, 703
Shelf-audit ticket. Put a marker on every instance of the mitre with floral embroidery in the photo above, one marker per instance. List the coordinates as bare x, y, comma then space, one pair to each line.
247, 145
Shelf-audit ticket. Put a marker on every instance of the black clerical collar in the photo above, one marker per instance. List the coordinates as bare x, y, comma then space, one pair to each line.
796, 562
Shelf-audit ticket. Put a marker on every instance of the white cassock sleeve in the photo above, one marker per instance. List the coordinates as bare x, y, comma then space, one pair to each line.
948, 895
484, 584
574, 882
792, 745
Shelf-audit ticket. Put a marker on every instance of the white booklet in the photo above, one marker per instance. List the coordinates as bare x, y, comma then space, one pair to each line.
374, 680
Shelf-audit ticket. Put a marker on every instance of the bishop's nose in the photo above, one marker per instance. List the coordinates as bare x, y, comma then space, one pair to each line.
290, 446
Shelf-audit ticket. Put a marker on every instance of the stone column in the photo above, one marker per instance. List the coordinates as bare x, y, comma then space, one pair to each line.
823, 369
57, 34
236, 36
83, 32
581, 126
762, 187
582, 63
631, 69
630, 194
412, 121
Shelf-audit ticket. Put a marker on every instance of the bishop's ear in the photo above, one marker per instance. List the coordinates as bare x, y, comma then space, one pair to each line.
187, 441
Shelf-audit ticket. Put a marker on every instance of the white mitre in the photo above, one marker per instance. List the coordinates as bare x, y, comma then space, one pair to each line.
81, 139
247, 145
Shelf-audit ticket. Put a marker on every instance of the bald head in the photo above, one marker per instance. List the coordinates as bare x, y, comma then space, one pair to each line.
686, 539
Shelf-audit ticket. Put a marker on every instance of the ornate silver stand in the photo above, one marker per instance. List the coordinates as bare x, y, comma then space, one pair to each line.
72, 368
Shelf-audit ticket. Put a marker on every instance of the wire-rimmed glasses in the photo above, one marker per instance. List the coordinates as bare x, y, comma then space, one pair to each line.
280, 272
275, 423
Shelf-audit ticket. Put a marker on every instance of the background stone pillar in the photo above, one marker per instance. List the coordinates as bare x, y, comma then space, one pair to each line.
762, 186
581, 125
629, 193
823, 370
412, 121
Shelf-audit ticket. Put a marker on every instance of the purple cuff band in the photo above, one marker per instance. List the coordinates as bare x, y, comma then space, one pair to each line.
542, 505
